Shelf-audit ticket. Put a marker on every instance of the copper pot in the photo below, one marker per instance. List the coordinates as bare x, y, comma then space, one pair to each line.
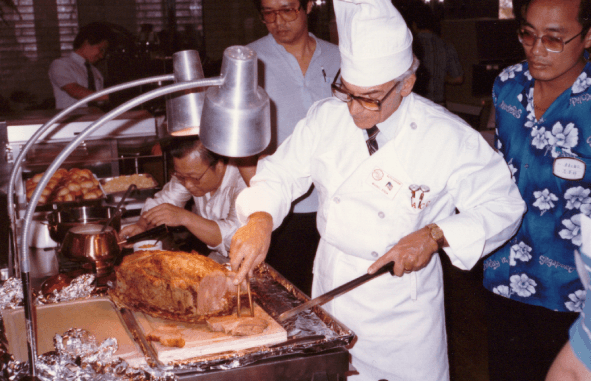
85, 243
60, 222
88, 243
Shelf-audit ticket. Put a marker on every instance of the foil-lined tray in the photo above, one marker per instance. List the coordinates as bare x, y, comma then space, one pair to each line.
310, 332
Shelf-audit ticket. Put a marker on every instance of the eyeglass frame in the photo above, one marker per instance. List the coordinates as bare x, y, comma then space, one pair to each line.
536, 38
276, 12
334, 87
183, 179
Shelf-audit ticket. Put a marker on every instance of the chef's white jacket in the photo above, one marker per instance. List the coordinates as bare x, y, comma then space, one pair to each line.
218, 207
366, 206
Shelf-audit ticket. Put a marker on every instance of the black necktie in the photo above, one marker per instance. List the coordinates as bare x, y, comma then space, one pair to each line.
372, 144
91, 85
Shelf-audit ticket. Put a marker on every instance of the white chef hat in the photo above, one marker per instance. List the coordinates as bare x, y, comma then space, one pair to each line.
374, 41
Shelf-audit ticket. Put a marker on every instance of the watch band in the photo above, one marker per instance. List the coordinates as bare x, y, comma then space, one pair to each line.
436, 234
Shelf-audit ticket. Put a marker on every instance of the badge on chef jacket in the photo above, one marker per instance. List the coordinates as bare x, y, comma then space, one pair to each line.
569, 168
384, 183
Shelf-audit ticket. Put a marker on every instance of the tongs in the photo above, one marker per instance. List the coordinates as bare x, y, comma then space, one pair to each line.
238, 309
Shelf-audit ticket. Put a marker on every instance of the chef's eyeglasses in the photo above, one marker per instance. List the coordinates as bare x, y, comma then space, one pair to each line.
552, 44
287, 14
370, 104
195, 180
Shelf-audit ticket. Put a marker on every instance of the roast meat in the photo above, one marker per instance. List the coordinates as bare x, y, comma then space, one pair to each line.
174, 285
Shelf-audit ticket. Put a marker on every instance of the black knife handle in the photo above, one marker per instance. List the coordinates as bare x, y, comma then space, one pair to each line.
151, 233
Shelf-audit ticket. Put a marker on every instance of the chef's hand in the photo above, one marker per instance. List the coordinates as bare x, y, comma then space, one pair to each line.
131, 230
250, 245
167, 214
411, 253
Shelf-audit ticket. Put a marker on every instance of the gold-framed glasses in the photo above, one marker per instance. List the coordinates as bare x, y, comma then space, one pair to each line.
287, 14
195, 180
552, 44
370, 104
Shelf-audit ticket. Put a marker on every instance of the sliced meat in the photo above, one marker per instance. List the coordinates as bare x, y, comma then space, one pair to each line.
211, 292
235, 326
169, 336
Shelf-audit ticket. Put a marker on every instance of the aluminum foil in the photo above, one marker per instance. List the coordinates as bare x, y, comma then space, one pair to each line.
78, 357
81, 287
11, 294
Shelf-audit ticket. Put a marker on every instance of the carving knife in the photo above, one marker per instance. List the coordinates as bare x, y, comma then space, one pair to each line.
137, 333
319, 300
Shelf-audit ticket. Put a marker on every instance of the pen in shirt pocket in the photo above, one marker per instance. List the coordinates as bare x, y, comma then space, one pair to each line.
323, 73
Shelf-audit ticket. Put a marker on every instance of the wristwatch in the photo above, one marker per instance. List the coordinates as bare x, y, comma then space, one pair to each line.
436, 234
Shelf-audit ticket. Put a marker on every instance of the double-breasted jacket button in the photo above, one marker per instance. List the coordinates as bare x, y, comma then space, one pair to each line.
413, 125
374, 254
381, 215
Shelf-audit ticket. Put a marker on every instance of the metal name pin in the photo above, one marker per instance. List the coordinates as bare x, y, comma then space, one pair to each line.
424, 189
413, 188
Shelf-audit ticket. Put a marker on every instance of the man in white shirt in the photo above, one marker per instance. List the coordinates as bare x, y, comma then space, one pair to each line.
391, 168
75, 76
211, 181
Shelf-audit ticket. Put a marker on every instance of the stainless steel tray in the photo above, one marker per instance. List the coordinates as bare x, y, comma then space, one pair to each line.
72, 204
139, 194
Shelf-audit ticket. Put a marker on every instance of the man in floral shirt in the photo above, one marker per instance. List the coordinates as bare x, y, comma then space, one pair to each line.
543, 116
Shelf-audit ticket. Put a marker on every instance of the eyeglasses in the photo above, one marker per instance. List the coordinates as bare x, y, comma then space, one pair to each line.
370, 104
552, 44
196, 180
289, 14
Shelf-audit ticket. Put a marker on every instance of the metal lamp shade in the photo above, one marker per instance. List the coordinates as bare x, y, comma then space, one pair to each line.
184, 108
236, 117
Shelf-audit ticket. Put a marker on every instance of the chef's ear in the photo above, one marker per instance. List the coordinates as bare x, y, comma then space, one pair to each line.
309, 7
408, 84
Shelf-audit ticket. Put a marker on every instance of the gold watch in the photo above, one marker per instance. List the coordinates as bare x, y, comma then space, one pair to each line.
437, 234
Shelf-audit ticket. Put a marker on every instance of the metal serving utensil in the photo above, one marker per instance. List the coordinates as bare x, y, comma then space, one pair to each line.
128, 192
238, 308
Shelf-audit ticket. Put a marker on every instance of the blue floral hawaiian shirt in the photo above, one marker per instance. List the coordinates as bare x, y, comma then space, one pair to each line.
550, 160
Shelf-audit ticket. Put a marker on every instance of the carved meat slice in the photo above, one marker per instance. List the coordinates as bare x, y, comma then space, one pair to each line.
168, 335
167, 284
237, 326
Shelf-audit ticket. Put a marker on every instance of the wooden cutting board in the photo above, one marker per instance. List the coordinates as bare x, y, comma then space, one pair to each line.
200, 341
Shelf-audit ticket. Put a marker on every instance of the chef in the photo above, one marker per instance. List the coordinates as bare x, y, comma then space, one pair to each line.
386, 193
212, 181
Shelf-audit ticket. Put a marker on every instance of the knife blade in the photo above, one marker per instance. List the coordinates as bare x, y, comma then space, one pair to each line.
137, 333
324, 298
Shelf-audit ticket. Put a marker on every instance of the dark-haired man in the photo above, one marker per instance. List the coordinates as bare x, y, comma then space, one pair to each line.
543, 107
75, 76
211, 181
297, 70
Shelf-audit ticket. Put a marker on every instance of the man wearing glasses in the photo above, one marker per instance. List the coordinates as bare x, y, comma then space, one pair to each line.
543, 120
296, 69
391, 168
211, 181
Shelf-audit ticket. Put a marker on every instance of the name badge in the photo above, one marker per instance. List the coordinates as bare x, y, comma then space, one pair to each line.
569, 168
384, 183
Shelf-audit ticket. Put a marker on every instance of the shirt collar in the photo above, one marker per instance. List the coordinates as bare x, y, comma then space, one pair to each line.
317, 50
78, 58
389, 127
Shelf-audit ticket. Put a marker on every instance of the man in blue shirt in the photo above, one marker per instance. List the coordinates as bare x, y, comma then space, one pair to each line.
543, 108
296, 69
